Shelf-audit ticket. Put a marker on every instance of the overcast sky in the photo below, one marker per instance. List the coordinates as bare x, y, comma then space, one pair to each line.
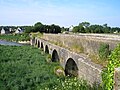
61, 12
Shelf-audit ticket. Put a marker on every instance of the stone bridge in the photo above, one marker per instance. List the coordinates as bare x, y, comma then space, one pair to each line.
73, 63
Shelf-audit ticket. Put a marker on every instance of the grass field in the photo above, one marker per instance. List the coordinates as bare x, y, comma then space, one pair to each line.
15, 37
26, 68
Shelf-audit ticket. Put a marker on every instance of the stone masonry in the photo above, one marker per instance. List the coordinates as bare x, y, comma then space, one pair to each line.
90, 44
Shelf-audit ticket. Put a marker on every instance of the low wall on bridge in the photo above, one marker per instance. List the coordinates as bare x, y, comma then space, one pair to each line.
86, 43
117, 79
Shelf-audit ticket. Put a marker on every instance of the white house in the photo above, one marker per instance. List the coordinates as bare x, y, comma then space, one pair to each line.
18, 30
2, 31
71, 28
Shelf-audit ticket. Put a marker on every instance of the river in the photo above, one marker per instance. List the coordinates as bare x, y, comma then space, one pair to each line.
2, 42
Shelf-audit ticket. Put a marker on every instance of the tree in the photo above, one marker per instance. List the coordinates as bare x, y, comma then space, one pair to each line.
38, 27
28, 29
85, 24
81, 29
76, 29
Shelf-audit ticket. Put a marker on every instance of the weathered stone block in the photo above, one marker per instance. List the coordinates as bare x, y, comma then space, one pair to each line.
117, 79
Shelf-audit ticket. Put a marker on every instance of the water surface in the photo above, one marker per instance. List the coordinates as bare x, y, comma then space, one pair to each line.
2, 42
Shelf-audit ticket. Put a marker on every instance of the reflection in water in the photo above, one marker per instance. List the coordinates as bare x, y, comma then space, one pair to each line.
9, 43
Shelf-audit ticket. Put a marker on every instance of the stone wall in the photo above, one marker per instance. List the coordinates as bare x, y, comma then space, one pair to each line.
85, 43
117, 79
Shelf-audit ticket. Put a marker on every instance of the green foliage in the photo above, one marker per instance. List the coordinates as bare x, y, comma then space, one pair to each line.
59, 71
15, 37
48, 58
104, 51
29, 29
39, 27
79, 29
38, 34
108, 73
77, 48
85, 27
76, 29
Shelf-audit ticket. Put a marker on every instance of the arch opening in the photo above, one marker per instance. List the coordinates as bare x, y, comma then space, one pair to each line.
38, 44
55, 57
71, 68
41, 45
46, 49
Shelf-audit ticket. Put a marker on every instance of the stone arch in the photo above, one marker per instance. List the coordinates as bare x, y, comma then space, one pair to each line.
46, 49
71, 68
55, 56
42, 47
38, 44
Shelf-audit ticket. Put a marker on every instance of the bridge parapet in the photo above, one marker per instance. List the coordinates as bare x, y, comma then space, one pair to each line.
117, 79
85, 43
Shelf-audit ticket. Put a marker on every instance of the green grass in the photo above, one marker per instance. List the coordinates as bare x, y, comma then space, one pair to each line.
15, 37
26, 68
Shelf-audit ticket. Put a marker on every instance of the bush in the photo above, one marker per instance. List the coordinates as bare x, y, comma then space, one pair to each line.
48, 58
104, 51
108, 73
59, 71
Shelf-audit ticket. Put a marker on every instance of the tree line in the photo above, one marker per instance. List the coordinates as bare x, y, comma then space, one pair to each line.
85, 27
39, 27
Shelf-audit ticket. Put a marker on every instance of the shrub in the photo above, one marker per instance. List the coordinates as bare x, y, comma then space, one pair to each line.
108, 73
59, 71
48, 58
104, 51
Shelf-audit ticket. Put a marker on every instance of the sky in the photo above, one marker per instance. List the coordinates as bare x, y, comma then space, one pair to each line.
60, 12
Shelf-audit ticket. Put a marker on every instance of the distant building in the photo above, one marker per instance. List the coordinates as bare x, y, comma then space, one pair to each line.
3, 31
115, 32
71, 28
10, 29
19, 31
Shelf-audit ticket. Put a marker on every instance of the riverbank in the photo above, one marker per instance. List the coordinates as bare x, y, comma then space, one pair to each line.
15, 37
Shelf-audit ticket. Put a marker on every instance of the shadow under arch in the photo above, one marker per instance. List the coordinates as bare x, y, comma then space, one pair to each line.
42, 45
55, 57
46, 49
71, 68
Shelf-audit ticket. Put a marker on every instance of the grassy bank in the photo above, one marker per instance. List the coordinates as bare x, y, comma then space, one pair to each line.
15, 37
26, 68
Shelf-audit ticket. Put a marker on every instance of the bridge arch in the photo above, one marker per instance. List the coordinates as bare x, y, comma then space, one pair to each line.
71, 68
46, 49
42, 47
38, 44
55, 56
